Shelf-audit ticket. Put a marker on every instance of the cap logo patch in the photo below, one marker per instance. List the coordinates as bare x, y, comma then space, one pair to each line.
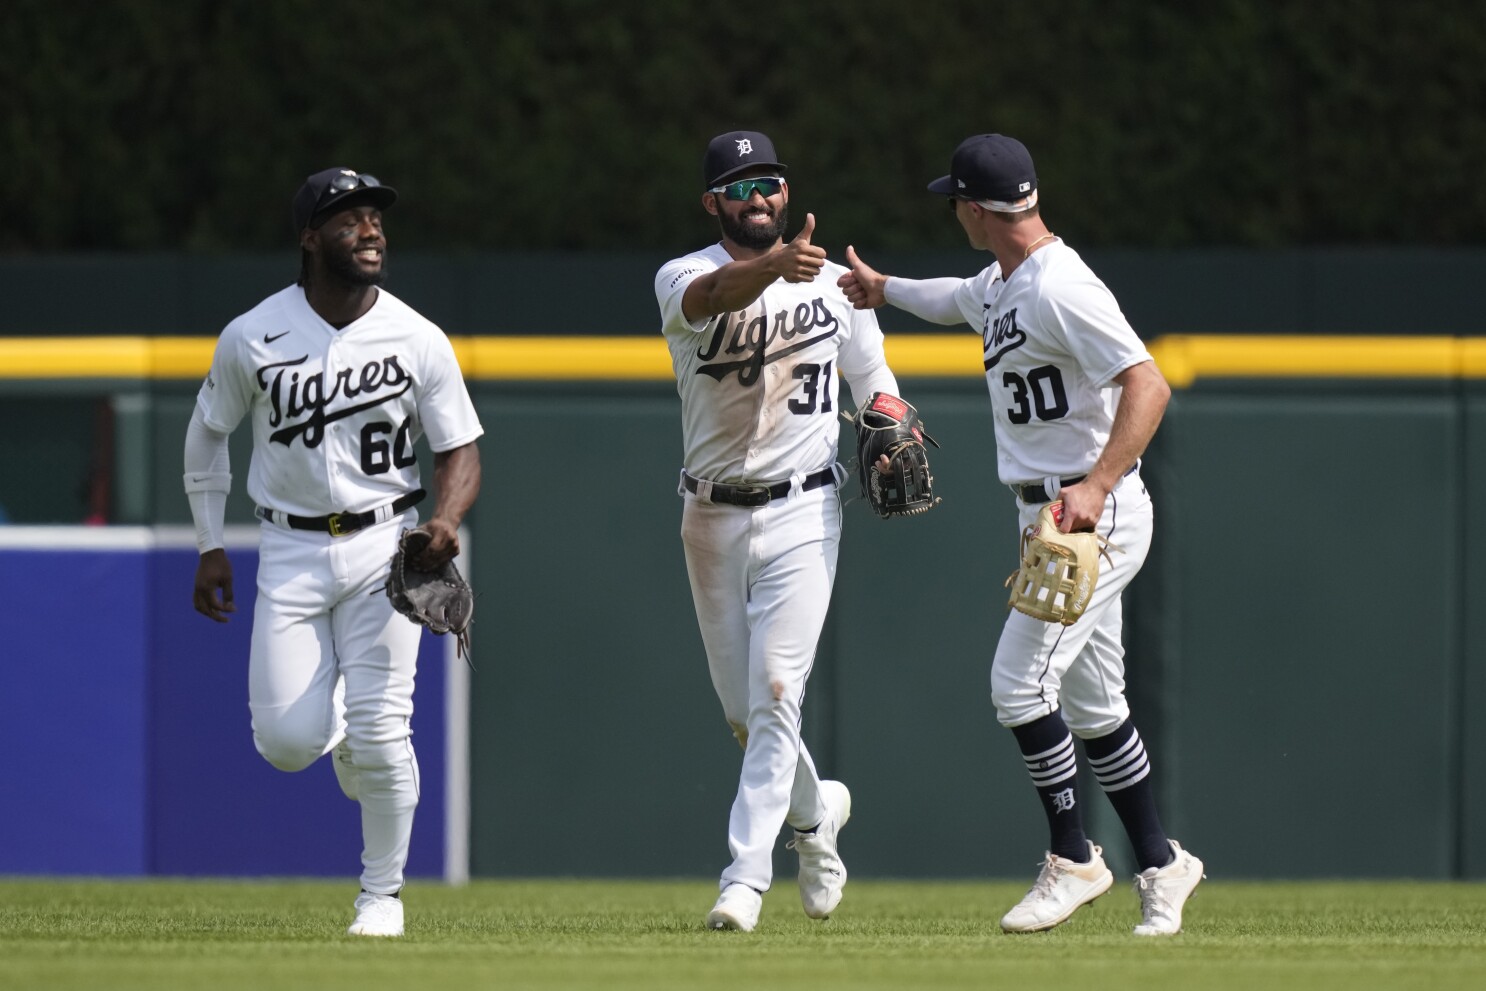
960, 183
1024, 187
745, 147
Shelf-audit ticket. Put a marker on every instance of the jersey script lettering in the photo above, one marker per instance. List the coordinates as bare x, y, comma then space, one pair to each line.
753, 337
1001, 335
308, 395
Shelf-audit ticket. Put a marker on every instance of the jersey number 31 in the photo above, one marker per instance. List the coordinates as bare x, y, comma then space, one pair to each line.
815, 381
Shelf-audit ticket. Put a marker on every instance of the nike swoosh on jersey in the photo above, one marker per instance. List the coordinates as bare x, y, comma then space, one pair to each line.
267, 339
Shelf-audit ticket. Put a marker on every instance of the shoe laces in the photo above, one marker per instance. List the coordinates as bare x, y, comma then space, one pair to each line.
1047, 878
815, 849
1153, 904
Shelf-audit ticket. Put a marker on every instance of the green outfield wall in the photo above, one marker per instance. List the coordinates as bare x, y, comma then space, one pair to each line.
1306, 653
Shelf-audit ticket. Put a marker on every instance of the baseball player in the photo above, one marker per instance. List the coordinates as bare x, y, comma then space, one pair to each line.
1076, 399
339, 379
757, 330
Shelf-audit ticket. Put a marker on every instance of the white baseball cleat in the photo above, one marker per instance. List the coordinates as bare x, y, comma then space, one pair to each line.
737, 908
1164, 890
1061, 889
377, 915
345, 769
822, 874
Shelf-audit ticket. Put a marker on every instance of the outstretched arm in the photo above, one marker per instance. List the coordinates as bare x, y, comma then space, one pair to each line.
738, 283
928, 299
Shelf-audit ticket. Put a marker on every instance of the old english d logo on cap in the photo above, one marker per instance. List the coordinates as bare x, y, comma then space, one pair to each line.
731, 153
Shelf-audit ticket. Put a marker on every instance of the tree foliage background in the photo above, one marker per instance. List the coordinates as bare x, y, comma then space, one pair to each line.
168, 125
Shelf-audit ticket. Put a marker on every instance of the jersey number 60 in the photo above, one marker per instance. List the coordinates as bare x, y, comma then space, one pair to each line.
378, 455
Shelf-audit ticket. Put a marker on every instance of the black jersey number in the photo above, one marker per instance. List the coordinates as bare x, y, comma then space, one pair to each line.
378, 454
1042, 390
816, 385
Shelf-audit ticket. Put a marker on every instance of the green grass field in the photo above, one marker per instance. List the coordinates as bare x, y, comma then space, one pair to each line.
59, 934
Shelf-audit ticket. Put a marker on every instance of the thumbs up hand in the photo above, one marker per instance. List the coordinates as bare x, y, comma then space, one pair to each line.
799, 260
863, 284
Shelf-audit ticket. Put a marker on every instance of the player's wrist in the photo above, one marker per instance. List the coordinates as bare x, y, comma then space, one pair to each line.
1101, 478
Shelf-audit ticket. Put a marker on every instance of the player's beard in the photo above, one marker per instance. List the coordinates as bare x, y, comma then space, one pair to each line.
755, 237
344, 267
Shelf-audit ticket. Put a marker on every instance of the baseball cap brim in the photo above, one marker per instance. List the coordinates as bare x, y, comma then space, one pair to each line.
944, 185
380, 197
720, 180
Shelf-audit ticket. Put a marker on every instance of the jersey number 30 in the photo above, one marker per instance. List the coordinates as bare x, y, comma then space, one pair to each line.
1042, 390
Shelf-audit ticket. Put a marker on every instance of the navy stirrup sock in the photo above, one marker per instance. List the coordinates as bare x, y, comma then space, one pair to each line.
1047, 750
1124, 772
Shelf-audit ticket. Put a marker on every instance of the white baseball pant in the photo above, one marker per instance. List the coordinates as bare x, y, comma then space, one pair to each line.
761, 581
1040, 667
332, 660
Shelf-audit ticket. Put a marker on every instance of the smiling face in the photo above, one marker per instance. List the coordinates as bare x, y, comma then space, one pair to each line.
756, 222
351, 246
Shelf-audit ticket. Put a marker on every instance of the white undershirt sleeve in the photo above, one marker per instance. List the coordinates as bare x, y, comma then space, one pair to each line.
928, 299
208, 479
876, 378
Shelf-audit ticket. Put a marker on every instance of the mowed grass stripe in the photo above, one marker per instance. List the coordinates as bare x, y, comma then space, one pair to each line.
62, 934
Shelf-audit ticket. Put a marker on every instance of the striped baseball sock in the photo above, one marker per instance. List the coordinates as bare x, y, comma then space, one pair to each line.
1124, 772
1047, 749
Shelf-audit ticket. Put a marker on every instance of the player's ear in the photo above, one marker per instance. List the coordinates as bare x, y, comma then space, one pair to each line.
709, 203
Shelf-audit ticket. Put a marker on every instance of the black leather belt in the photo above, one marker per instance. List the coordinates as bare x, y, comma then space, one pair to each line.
760, 495
340, 524
1034, 493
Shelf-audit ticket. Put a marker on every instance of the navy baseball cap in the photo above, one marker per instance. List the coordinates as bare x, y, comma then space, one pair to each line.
330, 190
731, 153
990, 167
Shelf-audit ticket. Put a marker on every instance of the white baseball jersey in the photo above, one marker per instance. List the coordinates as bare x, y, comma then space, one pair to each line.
336, 412
758, 387
1054, 339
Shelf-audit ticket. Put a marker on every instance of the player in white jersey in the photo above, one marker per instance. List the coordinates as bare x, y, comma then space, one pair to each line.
339, 379
1076, 399
757, 330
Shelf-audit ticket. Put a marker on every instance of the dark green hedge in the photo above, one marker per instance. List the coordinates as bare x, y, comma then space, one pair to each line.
567, 124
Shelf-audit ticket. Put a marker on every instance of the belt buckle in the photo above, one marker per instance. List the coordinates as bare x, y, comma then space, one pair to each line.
333, 524
754, 495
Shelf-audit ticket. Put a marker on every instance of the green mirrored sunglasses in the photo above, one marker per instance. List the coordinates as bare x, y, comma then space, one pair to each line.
743, 189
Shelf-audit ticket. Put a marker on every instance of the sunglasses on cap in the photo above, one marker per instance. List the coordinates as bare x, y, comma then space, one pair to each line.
743, 189
344, 183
